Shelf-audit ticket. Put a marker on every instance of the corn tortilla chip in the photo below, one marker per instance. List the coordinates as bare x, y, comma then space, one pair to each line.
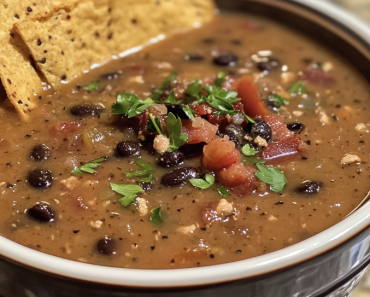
74, 40
17, 74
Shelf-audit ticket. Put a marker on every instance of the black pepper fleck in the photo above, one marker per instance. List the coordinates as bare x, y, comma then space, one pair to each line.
39, 42
43, 60
16, 16
29, 9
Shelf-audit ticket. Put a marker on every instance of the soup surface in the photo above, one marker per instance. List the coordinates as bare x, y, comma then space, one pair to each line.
230, 186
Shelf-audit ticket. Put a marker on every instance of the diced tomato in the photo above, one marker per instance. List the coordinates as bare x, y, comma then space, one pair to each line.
278, 128
220, 121
238, 106
198, 130
62, 129
230, 83
318, 77
251, 99
238, 175
219, 154
201, 109
285, 149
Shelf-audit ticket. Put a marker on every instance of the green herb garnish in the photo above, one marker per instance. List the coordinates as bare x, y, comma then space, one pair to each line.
254, 160
166, 83
189, 112
92, 86
129, 192
203, 184
249, 119
130, 105
89, 167
156, 217
319, 65
223, 191
271, 176
171, 99
194, 89
298, 88
278, 100
248, 151
146, 173
174, 128
154, 124
221, 78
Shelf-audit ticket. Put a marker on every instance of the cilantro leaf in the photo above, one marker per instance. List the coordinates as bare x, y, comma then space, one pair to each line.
221, 78
298, 88
130, 105
271, 176
194, 89
201, 183
189, 112
223, 192
171, 99
278, 100
89, 167
129, 192
92, 86
146, 173
166, 83
174, 128
153, 125
248, 150
156, 217
249, 119
319, 65
254, 160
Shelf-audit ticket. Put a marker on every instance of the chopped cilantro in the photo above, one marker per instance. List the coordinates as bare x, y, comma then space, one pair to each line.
92, 86
221, 78
278, 100
298, 88
248, 151
129, 192
254, 160
146, 173
271, 176
223, 192
154, 124
194, 89
174, 128
166, 83
156, 217
189, 112
203, 184
130, 105
249, 119
319, 65
89, 167
171, 99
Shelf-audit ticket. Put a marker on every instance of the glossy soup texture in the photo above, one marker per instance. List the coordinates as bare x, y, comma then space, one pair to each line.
79, 217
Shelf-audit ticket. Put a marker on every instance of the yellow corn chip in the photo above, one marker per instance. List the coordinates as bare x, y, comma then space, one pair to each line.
17, 74
74, 40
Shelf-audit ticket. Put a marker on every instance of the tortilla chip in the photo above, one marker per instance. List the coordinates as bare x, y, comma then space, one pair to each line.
17, 74
74, 40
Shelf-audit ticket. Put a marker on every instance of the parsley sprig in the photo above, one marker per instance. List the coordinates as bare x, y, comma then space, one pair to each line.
89, 167
189, 112
129, 192
271, 176
146, 172
130, 105
223, 191
174, 128
278, 100
93, 86
166, 83
203, 184
154, 125
248, 150
156, 217
298, 88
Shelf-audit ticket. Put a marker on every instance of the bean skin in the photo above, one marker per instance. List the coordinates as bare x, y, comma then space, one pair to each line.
179, 176
127, 148
309, 187
40, 152
173, 159
42, 213
296, 127
40, 178
106, 246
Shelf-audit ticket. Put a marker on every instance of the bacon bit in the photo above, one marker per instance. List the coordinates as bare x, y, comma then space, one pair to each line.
348, 159
219, 154
96, 224
286, 148
278, 128
198, 130
239, 176
62, 129
224, 208
260, 141
318, 77
161, 144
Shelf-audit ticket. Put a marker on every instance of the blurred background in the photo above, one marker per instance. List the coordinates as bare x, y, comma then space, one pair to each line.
361, 8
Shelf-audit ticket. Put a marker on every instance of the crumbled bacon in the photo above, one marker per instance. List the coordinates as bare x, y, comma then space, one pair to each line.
285, 148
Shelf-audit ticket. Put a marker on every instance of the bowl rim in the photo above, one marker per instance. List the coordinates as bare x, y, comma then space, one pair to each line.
185, 277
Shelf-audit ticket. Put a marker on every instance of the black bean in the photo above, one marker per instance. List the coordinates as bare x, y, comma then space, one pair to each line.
193, 150
235, 134
269, 65
106, 246
127, 148
296, 127
86, 110
147, 187
209, 40
40, 178
40, 152
42, 213
112, 75
173, 159
177, 110
309, 187
261, 129
226, 60
194, 57
179, 176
